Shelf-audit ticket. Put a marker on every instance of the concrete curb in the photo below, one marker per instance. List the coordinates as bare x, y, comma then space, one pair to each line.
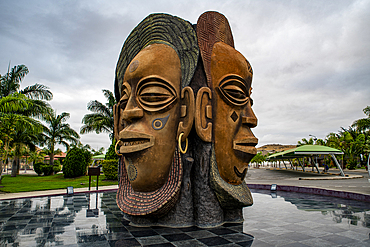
33, 194
333, 178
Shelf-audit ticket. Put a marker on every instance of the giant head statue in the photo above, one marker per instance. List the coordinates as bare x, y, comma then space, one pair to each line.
154, 113
224, 114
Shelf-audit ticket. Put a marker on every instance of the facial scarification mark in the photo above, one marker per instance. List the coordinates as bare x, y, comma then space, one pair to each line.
234, 116
131, 171
159, 123
240, 174
133, 66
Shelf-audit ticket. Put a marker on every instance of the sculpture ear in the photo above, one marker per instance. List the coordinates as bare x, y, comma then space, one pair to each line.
186, 113
203, 114
116, 117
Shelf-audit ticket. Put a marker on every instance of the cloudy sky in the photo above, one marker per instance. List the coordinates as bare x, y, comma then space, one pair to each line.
311, 59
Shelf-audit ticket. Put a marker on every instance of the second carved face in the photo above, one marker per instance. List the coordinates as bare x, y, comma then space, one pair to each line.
232, 116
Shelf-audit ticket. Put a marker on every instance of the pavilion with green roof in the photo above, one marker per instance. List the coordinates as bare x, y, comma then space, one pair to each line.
307, 151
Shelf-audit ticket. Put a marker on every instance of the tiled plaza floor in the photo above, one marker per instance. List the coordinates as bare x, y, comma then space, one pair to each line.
68, 221
294, 219
282, 219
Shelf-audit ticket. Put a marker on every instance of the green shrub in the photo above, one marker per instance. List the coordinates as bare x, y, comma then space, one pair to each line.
111, 153
57, 167
110, 169
351, 165
88, 157
47, 169
37, 168
76, 162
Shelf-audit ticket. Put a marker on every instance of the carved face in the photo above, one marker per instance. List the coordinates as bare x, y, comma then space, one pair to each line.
148, 116
232, 114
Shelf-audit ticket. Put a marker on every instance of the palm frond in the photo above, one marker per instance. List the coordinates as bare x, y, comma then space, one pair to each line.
37, 91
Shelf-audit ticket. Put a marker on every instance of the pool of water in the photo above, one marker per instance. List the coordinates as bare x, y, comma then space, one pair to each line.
279, 219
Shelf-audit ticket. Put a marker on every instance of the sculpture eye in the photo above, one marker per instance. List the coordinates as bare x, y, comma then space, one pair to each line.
155, 94
125, 95
234, 90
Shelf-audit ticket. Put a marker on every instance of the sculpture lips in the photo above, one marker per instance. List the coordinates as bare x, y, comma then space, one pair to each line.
246, 145
240, 174
134, 141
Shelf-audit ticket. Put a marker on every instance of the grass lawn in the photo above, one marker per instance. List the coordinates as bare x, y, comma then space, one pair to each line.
24, 183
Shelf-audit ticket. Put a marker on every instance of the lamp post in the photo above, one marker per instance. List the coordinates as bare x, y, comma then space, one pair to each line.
315, 139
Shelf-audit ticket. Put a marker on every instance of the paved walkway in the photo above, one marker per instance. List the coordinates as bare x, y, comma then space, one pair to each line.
356, 182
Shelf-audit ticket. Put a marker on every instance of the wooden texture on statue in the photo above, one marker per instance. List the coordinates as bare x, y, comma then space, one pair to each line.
155, 107
171, 76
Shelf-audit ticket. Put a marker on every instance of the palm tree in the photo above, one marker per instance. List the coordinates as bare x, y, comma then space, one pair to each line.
305, 142
101, 120
10, 83
58, 131
37, 93
12, 124
18, 110
363, 123
23, 137
36, 156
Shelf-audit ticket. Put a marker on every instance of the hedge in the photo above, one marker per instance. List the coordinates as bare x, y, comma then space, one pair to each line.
110, 169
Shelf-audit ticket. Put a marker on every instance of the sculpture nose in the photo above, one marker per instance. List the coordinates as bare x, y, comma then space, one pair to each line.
249, 119
251, 122
131, 114
132, 111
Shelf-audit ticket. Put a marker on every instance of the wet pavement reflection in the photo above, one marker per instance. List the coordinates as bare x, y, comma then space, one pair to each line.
293, 219
280, 219
95, 220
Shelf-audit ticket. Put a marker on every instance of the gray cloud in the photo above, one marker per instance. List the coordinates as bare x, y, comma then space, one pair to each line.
311, 59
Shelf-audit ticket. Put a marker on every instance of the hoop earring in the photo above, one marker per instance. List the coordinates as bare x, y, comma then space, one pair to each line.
186, 145
115, 148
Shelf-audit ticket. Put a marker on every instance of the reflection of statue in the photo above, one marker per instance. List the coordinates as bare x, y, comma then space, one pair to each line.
155, 109
158, 73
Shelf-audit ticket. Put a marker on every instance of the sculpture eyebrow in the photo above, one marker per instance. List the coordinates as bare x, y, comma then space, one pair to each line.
156, 79
127, 86
235, 77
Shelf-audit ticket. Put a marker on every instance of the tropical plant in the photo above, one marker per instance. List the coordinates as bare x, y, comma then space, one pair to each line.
37, 168
57, 131
36, 94
363, 123
36, 156
98, 152
47, 169
57, 167
101, 120
111, 153
18, 111
23, 136
76, 162
10, 83
258, 159
305, 142
110, 169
